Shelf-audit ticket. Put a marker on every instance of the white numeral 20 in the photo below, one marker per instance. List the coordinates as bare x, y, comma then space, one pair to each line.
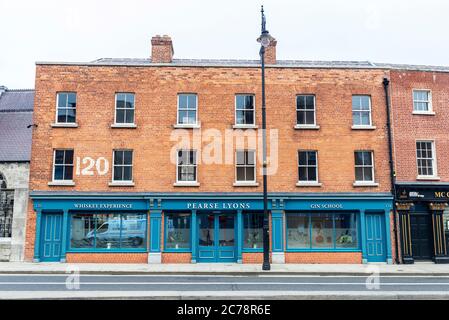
101, 164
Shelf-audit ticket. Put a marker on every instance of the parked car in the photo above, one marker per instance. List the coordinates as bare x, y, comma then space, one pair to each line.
112, 232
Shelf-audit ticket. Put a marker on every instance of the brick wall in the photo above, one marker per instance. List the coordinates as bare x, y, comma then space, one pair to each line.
107, 257
324, 257
176, 257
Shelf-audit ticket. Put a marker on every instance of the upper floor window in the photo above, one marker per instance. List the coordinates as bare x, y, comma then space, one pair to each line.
187, 109
361, 111
364, 166
307, 166
63, 165
124, 108
187, 166
123, 165
245, 166
422, 101
244, 110
305, 110
66, 107
425, 156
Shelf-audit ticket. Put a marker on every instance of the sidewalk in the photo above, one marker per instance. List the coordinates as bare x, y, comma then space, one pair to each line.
418, 269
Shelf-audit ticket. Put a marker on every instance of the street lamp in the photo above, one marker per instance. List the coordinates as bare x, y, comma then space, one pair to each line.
264, 41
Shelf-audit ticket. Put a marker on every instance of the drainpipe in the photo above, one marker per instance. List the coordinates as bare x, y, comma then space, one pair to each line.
386, 84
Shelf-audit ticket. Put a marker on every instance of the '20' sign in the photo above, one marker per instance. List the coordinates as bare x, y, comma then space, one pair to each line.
101, 165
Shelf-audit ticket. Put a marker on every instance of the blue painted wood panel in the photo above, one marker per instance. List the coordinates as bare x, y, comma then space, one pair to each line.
51, 237
376, 249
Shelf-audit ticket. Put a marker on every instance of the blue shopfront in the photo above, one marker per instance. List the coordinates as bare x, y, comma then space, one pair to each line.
210, 227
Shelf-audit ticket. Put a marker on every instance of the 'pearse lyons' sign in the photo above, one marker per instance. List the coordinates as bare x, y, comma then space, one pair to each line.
218, 205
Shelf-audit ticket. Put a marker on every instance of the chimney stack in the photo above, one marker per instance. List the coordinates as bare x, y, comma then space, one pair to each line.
270, 52
2, 90
161, 49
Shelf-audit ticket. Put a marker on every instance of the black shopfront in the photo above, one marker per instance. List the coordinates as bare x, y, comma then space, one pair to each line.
424, 222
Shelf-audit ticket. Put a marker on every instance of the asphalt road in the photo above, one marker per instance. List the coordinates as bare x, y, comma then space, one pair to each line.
179, 283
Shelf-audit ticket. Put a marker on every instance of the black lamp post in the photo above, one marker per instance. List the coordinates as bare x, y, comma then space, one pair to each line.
264, 41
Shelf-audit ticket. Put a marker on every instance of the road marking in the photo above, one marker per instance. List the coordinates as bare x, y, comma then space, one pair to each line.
83, 275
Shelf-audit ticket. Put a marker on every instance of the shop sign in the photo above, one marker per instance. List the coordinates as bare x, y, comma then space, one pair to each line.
218, 205
326, 206
103, 206
423, 194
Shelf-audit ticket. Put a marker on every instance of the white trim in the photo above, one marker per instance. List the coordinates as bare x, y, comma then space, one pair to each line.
58, 182
424, 113
186, 184
180, 183
430, 178
434, 160
245, 166
62, 183
124, 183
246, 125
308, 184
187, 126
64, 125
366, 183
363, 127
113, 167
306, 126
370, 111
124, 125
57, 104
245, 184
191, 125
429, 102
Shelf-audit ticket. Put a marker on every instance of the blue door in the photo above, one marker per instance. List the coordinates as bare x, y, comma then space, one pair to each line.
216, 238
50, 246
376, 248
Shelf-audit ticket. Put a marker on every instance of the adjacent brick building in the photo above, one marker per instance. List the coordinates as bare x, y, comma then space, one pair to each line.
113, 180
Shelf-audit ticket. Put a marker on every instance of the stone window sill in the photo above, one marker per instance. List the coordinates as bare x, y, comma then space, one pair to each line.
428, 178
308, 184
245, 184
121, 184
365, 184
245, 126
5, 240
186, 184
363, 127
306, 127
62, 183
124, 126
424, 113
64, 125
187, 126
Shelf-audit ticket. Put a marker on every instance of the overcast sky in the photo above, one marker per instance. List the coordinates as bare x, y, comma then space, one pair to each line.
396, 31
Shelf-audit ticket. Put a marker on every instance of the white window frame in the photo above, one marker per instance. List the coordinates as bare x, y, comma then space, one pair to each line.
115, 110
62, 181
242, 182
434, 161
429, 102
363, 126
178, 124
57, 108
308, 182
244, 125
361, 182
122, 165
180, 182
300, 125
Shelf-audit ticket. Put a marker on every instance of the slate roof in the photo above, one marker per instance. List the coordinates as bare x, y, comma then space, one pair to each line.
146, 62
16, 114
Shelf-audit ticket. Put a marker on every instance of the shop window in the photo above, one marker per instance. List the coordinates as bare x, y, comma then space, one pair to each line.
123, 165
187, 109
244, 110
66, 107
63, 165
364, 167
253, 230
178, 231
245, 166
322, 231
425, 156
422, 101
124, 108
6, 209
187, 166
307, 166
305, 110
108, 231
361, 110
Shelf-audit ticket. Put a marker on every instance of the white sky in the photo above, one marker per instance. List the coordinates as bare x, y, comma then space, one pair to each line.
396, 31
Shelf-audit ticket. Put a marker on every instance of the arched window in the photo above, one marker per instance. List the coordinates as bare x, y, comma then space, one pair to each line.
2, 181
6, 209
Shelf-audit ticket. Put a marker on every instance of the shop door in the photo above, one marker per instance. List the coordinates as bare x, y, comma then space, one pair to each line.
421, 235
375, 238
216, 238
51, 232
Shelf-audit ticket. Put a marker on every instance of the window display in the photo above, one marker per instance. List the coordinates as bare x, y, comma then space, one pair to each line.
298, 231
253, 230
177, 231
322, 231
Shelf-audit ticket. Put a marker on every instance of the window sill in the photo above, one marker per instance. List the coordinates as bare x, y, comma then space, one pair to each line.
365, 184
308, 184
245, 126
306, 127
187, 126
64, 125
124, 126
186, 184
245, 184
424, 113
429, 178
121, 184
66, 183
363, 127
5, 240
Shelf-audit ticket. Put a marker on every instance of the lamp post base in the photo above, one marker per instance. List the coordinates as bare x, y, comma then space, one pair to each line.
266, 266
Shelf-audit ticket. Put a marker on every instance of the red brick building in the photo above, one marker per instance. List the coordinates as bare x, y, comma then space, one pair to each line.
420, 97
138, 160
